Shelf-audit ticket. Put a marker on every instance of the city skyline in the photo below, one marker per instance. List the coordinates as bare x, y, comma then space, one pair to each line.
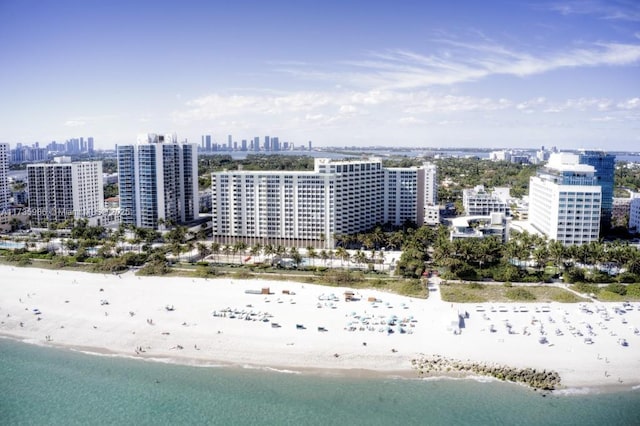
495, 74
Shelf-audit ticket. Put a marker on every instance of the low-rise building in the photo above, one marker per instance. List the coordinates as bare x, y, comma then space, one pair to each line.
479, 202
494, 224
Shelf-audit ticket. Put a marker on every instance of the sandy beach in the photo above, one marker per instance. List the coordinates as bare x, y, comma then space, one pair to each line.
303, 327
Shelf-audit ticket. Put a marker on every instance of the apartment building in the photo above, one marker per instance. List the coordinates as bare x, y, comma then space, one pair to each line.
64, 190
158, 178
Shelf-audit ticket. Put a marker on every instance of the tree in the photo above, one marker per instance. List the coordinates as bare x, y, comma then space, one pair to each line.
343, 255
295, 255
203, 250
311, 253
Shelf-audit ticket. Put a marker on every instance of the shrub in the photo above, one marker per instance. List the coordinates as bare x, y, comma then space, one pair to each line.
617, 288
476, 286
585, 288
507, 284
565, 297
574, 275
633, 290
628, 277
467, 272
519, 293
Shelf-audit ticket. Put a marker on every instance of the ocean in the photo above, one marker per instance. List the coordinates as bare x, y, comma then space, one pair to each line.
41, 385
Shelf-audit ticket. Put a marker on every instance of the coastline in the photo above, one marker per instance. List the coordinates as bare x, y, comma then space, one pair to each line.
73, 317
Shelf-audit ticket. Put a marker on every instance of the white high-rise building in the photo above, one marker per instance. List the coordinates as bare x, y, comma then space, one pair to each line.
63, 190
158, 179
311, 208
565, 200
430, 184
4, 178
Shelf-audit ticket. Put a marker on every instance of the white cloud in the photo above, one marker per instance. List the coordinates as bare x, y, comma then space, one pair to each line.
610, 9
74, 123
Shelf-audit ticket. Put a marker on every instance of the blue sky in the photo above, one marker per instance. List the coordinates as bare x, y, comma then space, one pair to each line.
346, 73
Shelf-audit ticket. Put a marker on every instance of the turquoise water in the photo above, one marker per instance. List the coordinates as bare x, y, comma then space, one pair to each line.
11, 245
51, 386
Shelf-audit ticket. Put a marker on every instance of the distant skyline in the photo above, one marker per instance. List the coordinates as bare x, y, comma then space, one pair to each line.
463, 74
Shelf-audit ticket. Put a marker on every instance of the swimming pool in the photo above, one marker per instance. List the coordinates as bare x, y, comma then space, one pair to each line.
11, 245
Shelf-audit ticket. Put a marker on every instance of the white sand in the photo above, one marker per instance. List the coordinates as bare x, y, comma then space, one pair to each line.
73, 314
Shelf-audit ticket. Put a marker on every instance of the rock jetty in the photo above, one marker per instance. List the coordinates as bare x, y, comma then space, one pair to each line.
536, 379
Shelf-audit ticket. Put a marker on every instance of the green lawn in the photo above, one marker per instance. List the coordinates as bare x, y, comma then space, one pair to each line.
480, 293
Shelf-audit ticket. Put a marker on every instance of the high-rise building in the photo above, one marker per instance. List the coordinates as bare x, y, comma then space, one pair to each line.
158, 179
63, 191
605, 167
206, 143
430, 184
634, 214
565, 200
4, 176
311, 208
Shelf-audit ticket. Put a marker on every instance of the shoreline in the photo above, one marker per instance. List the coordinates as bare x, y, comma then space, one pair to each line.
359, 341
365, 374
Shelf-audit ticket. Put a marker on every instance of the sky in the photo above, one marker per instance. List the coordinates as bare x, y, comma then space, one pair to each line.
424, 73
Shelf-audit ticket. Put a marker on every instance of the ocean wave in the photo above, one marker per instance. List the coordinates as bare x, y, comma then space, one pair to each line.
479, 379
272, 369
576, 391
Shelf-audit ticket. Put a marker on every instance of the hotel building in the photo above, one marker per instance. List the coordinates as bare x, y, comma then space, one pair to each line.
64, 190
565, 200
310, 208
158, 178
4, 176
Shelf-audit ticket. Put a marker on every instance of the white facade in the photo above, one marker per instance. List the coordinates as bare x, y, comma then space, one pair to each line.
431, 215
273, 207
404, 195
430, 184
64, 190
158, 180
4, 179
565, 201
481, 226
310, 208
478, 202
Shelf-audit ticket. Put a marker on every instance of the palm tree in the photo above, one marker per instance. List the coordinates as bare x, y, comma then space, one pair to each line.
557, 253
203, 250
633, 260
324, 256
541, 256
227, 251
269, 251
311, 253
360, 258
295, 255
343, 255
256, 249
215, 249
396, 240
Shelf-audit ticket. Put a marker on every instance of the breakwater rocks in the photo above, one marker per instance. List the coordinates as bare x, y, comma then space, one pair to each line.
536, 379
